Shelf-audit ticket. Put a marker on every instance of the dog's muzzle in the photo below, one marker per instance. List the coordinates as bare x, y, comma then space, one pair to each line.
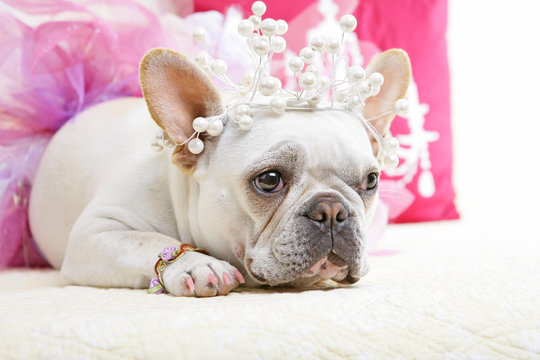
331, 216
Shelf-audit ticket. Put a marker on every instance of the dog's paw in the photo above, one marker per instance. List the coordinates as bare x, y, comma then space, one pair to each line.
196, 274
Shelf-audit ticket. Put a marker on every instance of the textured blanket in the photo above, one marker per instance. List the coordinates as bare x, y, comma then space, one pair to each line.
451, 290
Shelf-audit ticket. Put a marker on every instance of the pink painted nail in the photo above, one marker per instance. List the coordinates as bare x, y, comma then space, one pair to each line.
213, 279
190, 284
226, 278
239, 277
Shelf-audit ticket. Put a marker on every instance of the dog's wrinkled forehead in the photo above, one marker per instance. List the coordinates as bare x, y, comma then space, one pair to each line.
308, 139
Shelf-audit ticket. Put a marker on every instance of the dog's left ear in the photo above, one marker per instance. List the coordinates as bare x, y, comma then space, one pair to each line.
177, 91
395, 66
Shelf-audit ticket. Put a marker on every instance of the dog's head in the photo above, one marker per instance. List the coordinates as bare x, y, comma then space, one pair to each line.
291, 198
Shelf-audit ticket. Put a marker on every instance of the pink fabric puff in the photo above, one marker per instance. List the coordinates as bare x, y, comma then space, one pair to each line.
54, 69
18, 164
62, 59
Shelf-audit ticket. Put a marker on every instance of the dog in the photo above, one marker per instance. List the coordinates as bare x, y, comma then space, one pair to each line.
286, 203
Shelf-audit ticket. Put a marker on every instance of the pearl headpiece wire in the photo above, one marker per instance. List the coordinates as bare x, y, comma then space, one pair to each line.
264, 38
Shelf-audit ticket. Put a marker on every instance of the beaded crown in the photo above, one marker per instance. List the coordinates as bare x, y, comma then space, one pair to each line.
346, 89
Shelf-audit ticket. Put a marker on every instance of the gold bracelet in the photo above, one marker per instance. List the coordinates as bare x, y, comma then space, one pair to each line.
167, 256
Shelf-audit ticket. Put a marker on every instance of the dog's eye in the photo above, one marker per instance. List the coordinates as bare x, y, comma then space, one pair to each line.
270, 181
370, 182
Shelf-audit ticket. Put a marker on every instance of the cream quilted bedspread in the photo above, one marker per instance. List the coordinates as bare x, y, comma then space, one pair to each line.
452, 291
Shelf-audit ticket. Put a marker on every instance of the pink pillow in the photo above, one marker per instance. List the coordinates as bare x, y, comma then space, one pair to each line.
419, 27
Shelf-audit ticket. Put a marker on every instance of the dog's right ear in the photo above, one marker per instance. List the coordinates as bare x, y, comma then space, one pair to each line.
177, 91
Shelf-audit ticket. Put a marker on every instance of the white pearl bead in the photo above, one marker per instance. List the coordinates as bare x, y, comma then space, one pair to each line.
258, 8
278, 105
282, 27
376, 79
354, 101
313, 69
256, 21
271, 82
333, 45
269, 27
374, 90
347, 23
200, 58
307, 80
248, 77
245, 27
317, 43
391, 145
242, 110
252, 38
391, 161
245, 122
365, 88
269, 85
218, 66
314, 100
401, 107
156, 146
322, 82
200, 124
278, 44
261, 46
195, 146
341, 96
296, 64
168, 142
307, 55
356, 73
215, 128
199, 34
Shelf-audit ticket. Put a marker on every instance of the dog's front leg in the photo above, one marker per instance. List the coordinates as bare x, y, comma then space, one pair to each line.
103, 251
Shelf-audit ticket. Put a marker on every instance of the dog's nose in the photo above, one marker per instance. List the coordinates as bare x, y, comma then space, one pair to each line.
328, 211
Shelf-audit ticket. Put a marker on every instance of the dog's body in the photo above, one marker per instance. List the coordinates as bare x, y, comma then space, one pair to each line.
134, 191
104, 204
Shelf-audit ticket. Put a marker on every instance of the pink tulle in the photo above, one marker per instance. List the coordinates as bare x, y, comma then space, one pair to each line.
52, 71
17, 170
49, 71
396, 197
60, 57
394, 200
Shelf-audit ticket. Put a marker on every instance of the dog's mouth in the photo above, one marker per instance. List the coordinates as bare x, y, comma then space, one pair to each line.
329, 267
311, 258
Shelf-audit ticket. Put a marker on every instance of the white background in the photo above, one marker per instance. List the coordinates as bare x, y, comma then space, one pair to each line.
494, 50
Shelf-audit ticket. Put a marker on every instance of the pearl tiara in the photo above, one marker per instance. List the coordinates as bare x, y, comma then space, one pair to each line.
346, 89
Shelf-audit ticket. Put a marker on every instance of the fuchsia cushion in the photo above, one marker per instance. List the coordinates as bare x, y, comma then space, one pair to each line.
419, 27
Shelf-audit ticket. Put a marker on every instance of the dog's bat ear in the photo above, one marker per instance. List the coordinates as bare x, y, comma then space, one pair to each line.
177, 91
395, 66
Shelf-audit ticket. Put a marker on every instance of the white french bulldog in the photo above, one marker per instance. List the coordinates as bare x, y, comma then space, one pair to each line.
286, 203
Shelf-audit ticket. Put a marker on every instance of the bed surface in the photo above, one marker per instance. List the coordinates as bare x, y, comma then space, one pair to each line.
452, 290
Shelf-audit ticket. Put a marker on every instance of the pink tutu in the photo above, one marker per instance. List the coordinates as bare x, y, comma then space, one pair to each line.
49, 72
57, 58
